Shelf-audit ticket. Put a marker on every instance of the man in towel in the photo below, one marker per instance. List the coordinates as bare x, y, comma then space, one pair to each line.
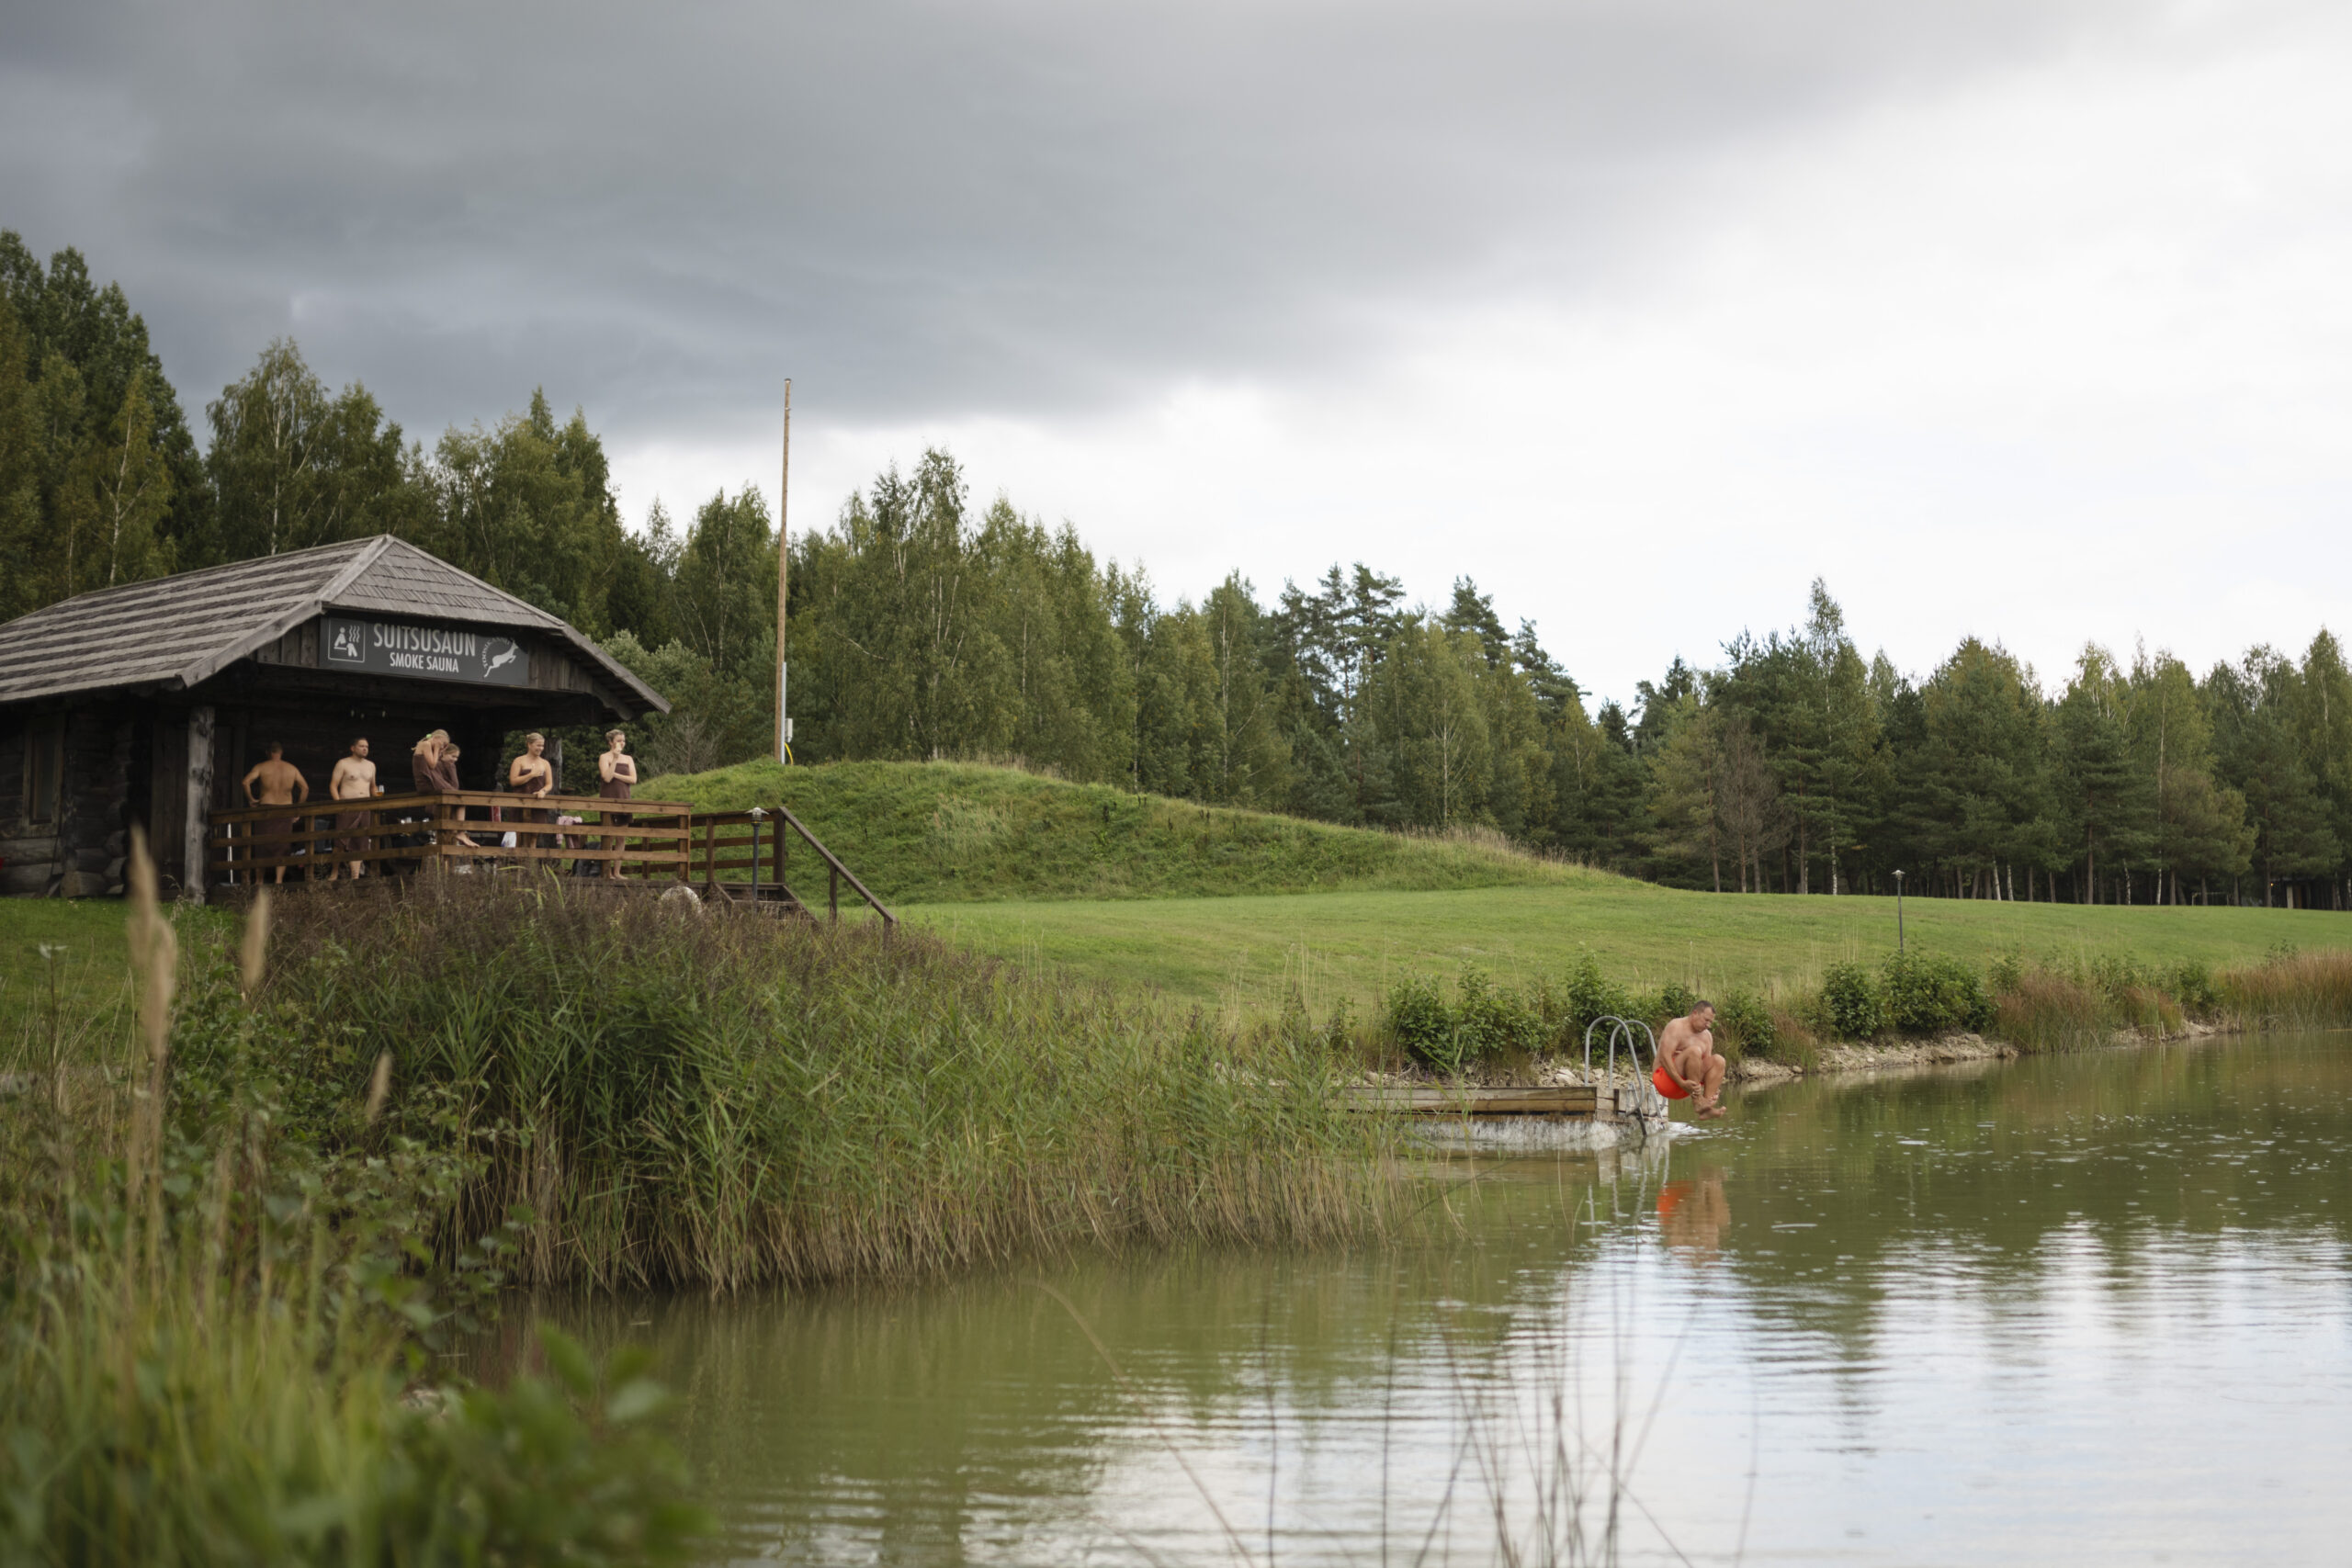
1688, 1065
274, 781
354, 779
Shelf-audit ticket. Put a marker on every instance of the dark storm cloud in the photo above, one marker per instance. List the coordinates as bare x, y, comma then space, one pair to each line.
927, 210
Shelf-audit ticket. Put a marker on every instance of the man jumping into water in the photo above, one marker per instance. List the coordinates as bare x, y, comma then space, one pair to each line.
1687, 1063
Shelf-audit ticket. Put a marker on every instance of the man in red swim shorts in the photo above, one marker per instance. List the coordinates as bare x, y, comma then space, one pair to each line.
1688, 1065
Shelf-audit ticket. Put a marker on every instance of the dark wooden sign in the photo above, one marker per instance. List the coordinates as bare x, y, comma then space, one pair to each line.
432, 653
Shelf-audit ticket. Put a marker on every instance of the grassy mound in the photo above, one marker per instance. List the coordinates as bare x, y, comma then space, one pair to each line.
948, 832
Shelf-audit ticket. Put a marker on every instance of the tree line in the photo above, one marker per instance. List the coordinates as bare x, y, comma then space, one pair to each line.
1794, 765
923, 626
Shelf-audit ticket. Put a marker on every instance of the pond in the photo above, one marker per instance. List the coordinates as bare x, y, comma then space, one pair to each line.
2092, 1308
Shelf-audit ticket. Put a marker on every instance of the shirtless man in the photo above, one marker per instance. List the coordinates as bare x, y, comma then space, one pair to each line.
531, 776
282, 783
354, 779
1688, 1065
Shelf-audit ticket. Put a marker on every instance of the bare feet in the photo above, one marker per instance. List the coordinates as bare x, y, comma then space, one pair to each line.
1708, 1114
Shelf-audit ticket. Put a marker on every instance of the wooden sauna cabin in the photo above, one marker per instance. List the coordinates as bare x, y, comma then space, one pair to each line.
146, 703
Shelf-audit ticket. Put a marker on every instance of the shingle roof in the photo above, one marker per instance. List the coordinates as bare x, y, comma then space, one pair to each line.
174, 632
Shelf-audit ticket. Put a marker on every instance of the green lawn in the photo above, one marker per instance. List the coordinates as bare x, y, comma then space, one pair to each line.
1230, 908
1240, 953
88, 954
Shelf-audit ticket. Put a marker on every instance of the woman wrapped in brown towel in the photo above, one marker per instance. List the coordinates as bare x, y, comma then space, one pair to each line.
616, 770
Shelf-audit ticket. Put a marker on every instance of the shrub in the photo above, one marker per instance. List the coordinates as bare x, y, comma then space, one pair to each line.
1485, 1023
1851, 1007
1674, 999
1927, 995
2192, 985
1421, 1025
1340, 1029
1588, 994
1491, 1023
2120, 978
1747, 1022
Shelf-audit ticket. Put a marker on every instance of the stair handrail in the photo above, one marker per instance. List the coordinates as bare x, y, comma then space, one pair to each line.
832, 861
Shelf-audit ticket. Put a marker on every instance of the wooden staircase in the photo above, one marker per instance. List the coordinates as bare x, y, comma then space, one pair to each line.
745, 857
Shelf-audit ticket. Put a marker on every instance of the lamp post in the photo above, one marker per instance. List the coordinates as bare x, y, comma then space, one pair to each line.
1898, 911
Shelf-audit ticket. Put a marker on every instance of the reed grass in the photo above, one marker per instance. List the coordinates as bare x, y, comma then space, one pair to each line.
702, 1096
2293, 991
212, 1330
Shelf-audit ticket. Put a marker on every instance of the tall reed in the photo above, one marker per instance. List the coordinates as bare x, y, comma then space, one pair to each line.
714, 1097
208, 1325
2293, 991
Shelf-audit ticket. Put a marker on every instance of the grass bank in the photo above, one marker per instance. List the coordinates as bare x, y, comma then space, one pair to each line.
2053, 1003
1243, 956
939, 832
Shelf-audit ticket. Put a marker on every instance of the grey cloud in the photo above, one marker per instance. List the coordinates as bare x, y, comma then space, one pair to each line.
924, 211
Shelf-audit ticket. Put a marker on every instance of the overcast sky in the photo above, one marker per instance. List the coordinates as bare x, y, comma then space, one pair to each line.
2030, 321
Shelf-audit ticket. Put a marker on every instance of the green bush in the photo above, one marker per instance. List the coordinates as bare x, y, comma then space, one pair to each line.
1421, 1025
1491, 1023
1746, 1023
1587, 994
546, 1470
1484, 1023
1674, 999
1929, 995
2192, 984
1851, 1007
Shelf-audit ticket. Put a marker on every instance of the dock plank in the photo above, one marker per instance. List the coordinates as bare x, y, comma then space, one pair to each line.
1559, 1099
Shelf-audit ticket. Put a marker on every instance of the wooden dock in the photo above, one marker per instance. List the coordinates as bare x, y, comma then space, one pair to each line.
1570, 1111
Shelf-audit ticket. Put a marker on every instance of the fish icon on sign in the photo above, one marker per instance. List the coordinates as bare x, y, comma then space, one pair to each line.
497, 652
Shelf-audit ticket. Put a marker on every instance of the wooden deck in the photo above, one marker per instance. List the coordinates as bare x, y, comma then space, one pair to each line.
741, 856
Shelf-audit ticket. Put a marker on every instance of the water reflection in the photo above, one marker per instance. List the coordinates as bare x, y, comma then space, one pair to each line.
2091, 1307
1692, 1214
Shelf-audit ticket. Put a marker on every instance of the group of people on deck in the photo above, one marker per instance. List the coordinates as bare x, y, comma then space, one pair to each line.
432, 770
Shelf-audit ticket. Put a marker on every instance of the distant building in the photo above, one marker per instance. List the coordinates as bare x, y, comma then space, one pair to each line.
146, 703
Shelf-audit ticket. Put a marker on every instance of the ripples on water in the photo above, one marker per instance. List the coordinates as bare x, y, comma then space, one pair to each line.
2084, 1309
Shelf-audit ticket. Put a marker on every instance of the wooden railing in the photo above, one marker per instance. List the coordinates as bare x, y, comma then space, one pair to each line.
405, 833
733, 853
746, 853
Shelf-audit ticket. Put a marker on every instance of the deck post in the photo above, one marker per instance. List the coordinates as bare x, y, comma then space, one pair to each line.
196, 826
